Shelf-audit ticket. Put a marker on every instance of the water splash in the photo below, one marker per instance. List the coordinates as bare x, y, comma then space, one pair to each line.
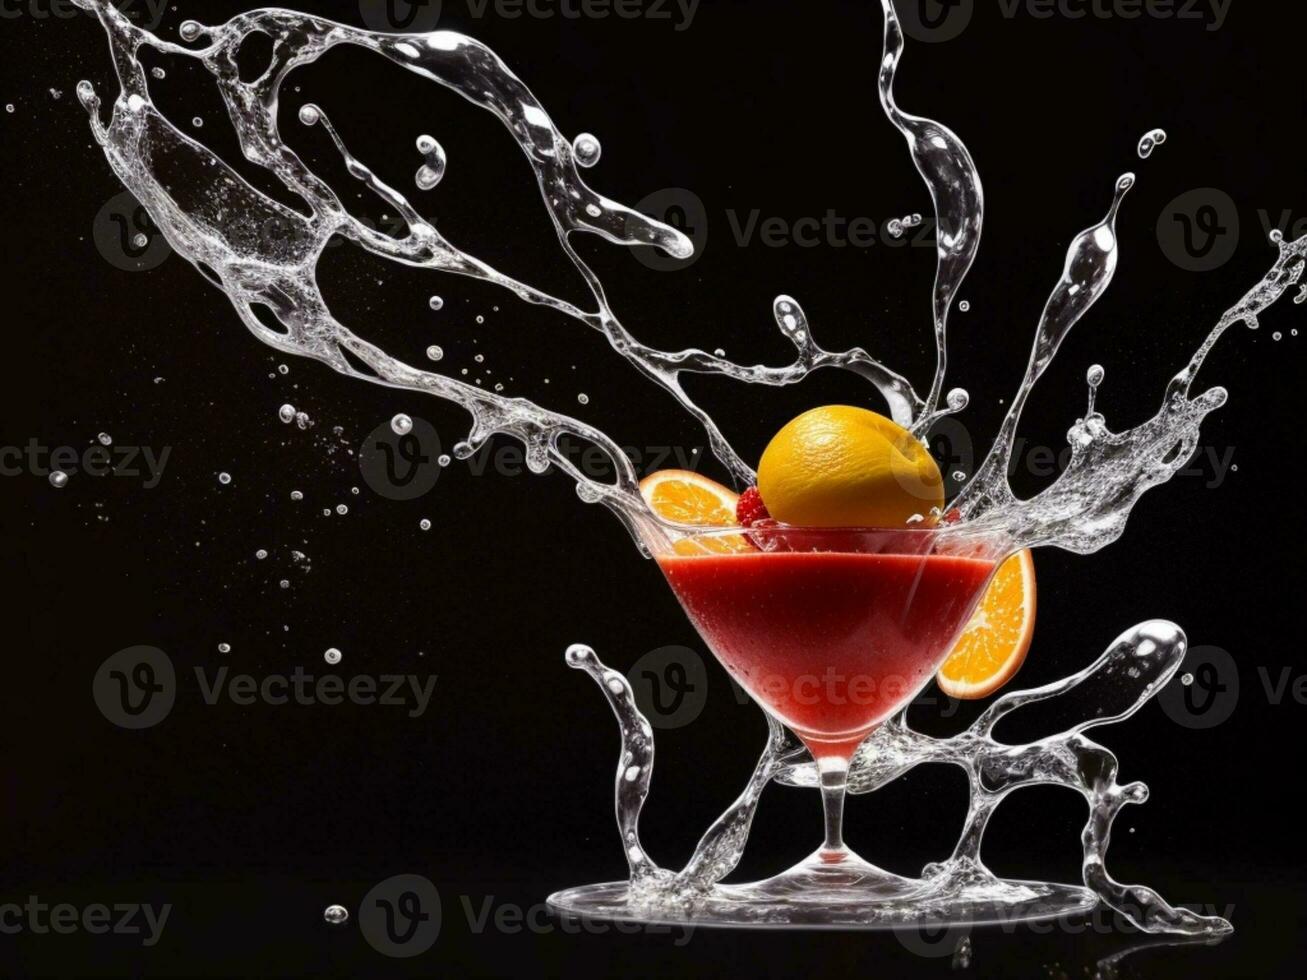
1133, 669
263, 255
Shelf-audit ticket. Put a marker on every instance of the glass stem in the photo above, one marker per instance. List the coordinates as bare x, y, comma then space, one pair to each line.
834, 781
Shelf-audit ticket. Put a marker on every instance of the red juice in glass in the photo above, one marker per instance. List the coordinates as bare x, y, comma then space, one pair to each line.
831, 642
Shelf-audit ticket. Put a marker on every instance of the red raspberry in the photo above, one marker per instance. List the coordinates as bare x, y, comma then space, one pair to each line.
750, 508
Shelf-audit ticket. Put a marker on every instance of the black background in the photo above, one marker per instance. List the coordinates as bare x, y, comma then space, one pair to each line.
250, 820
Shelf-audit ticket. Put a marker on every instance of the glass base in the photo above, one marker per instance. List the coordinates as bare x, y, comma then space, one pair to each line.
849, 894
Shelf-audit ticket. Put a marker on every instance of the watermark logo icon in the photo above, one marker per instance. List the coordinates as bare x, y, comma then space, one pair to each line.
933, 21
136, 687
126, 237
1211, 693
400, 917
670, 686
406, 16
1199, 230
685, 211
401, 466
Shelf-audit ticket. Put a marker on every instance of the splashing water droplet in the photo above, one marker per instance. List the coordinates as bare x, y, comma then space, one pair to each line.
335, 915
286, 413
958, 399
401, 424
1150, 141
587, 150
310, 115
435, 162
332, 656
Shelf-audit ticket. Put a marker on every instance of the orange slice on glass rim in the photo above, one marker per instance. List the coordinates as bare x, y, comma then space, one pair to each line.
993, 646
683, 497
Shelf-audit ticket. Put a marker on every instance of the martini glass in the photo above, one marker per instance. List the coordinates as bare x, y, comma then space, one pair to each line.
831, 631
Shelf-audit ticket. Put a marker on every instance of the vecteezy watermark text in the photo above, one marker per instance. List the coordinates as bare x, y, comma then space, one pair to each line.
62, 919
421, 16
137, 688
143, 13
934, 21
37, 459
402, 917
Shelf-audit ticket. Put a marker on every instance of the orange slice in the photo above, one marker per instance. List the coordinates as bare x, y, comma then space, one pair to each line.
683, 497
993, 646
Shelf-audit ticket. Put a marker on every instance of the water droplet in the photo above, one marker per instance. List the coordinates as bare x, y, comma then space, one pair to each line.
436, 303
964, 306
435, 353
141, 240
433, 168
224, 478
58, 479
894, 228
286, 413
1095, 375
336, 915
158, 72
9, 107
224, 648
342, 509
310, 114
284, 583
583, 398
425, 524
444, 459
1151, 141
1277, 236
958, 399
959, 476
587, 149
401, 424
332, 656
283, 369
1186, 679
261, 554
1276, 335
480, 318
302, 420
105, 439
197, 122
296, 495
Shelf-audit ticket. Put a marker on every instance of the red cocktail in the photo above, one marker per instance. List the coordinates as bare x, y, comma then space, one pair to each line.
830, 630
